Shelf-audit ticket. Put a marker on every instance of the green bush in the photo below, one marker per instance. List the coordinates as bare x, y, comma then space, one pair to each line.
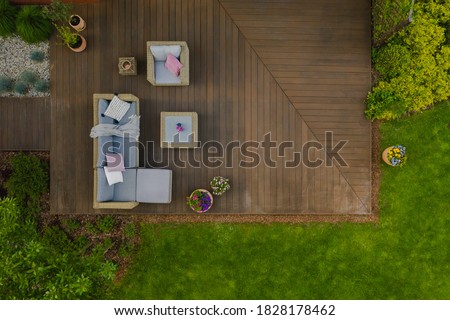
42, 85
5, 84
20, 87
414, 67
106, 224
28, 181
392, 61
71, 225
31, 26
28, 77
48, 266
387, 15
57, 11
37, 56
8, 14
130, 230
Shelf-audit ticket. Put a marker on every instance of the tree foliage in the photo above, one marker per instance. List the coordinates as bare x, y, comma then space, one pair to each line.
414, 68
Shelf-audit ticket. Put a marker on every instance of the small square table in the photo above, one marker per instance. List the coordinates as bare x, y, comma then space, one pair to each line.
171, 138
127, 66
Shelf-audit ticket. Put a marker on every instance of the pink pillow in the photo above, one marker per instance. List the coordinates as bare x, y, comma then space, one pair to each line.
173, 65
114, 162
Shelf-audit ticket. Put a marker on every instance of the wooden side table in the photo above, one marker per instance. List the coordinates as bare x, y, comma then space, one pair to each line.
127, 66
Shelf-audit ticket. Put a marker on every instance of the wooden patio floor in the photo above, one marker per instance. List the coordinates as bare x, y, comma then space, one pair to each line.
292, 69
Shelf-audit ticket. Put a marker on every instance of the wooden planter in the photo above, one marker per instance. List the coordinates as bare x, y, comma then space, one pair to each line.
80, 26
80, 48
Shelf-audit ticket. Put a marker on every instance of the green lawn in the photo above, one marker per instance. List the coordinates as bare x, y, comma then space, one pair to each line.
405, 256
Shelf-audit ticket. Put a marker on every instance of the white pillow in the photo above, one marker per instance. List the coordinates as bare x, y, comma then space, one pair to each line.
160, 52
113, 177
117, 108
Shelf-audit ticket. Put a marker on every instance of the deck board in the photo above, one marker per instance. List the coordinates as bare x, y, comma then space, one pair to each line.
241, 89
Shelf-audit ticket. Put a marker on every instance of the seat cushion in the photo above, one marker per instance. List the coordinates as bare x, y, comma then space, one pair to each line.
163, 75
126, 190
105, 192
154, 185
128, 147
105, 145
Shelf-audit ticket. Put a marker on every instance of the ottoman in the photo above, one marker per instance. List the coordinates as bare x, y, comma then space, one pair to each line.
154, 185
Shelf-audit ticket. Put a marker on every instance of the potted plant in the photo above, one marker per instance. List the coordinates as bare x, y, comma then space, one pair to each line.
74, 41
395, 155
200, 200
219, 185
57, 11
77, 22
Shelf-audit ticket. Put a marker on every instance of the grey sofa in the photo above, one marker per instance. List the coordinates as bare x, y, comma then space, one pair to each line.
139, 184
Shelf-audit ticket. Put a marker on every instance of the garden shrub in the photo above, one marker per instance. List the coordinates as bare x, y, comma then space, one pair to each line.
48, 266
387, 15
42, 85
106, 224
392, 60
31, 26
130, 230
28, 181
20, 87
37, 56
5, 84
414, 68
8, 14
28, 77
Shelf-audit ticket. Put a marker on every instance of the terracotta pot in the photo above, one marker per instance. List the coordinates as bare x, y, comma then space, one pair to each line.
80, 26
81, 47
385, 154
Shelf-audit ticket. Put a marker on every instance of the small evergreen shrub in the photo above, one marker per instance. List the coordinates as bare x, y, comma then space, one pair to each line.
37, 56
130, 230
71, 225
5, 84
31, 26
57, 11
28, 181
28, 77
8, 14
106, 224
392, 61
42, 85
20, 87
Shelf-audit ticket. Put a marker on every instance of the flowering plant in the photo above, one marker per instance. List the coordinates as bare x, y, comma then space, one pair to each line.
200, 200
397, 155
219, 185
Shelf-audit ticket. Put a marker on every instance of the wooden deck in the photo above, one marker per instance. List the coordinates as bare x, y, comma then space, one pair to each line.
294, 69
25, 124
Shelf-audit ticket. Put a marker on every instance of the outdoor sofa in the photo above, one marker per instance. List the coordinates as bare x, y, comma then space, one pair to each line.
139, 184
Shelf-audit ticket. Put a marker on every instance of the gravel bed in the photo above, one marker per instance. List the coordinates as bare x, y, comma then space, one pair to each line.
15, 59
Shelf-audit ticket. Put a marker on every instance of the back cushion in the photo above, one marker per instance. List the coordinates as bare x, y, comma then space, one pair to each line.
160, 52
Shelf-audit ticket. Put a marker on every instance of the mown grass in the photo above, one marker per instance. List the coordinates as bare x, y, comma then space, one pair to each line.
405, 256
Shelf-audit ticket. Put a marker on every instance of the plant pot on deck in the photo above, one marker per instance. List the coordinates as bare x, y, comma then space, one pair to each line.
77, 22
200, 200
80, 45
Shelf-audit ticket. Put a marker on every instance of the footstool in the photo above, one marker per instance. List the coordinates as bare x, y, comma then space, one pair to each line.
154, 185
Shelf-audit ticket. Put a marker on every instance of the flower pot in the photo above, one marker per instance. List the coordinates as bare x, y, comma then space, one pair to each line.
385, 156
80, 46
198, 208
77, 22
